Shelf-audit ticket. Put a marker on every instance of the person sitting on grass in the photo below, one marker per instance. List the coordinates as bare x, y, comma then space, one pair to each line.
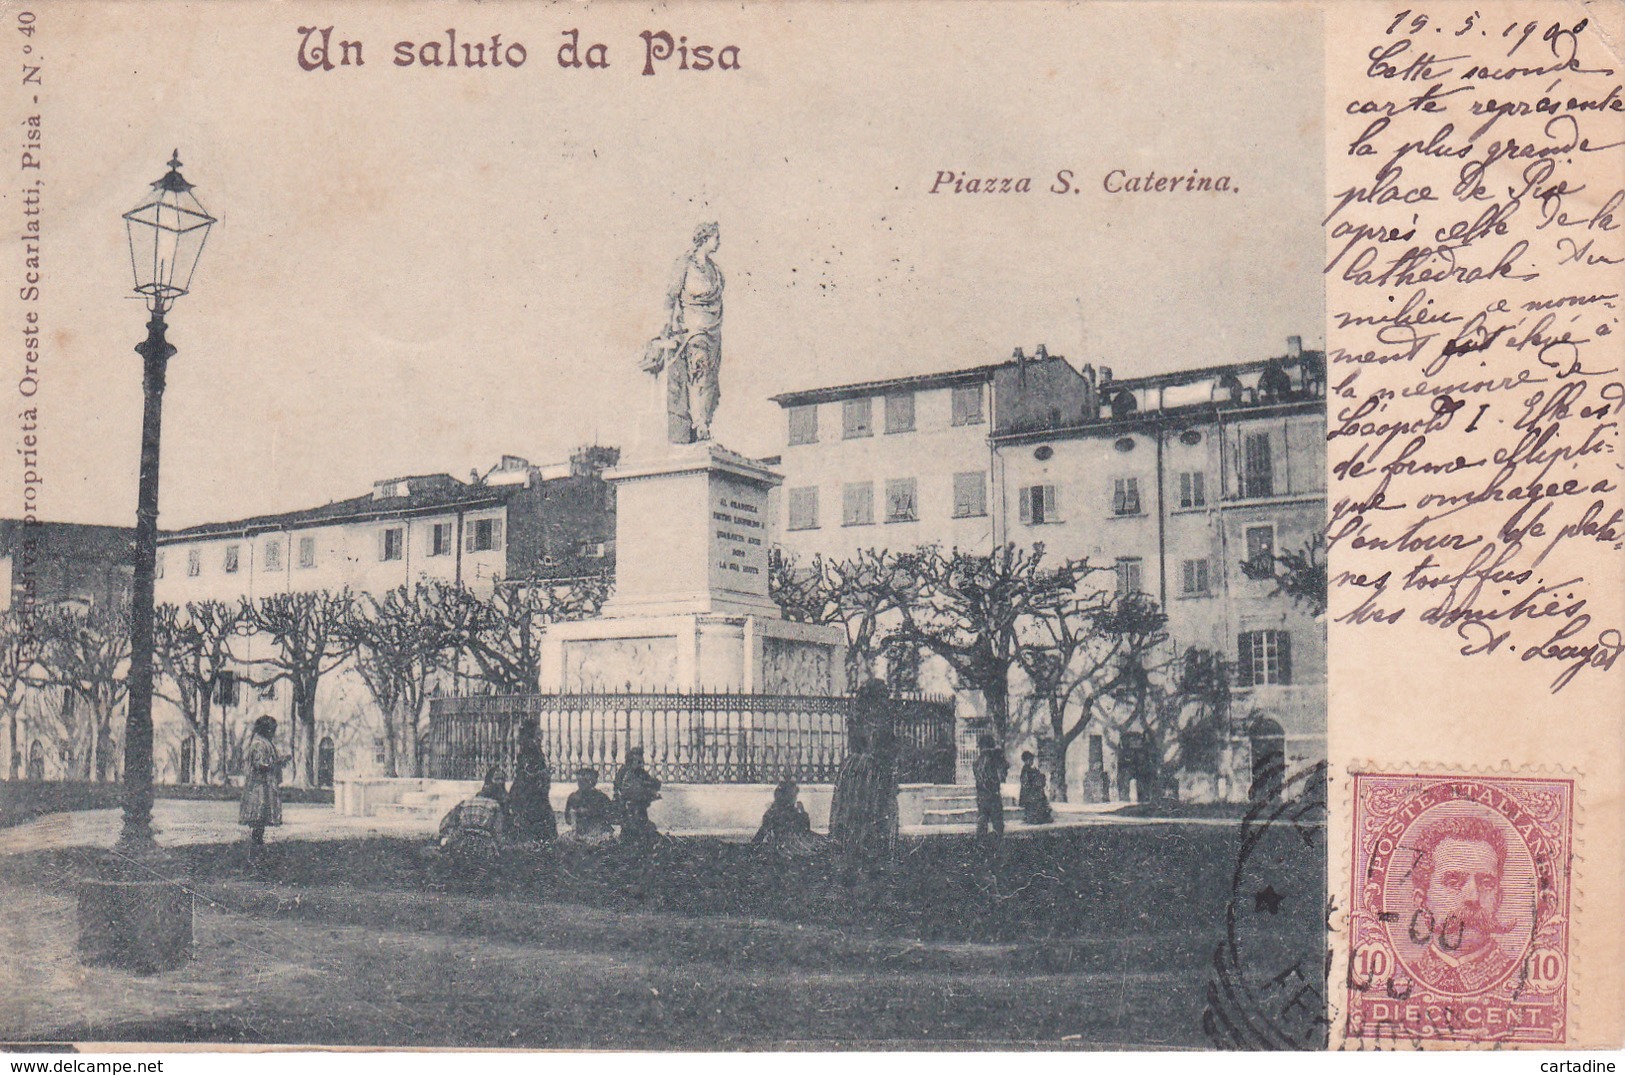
472, 833
589, 811
1034, 802
636, 789
786, 828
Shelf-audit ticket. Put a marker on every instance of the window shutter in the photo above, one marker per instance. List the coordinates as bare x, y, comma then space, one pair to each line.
1052, 509
1244, 660
1119, 497
1284, 643
1198, 489
468, 537
496, 533
1026, 499
383, 544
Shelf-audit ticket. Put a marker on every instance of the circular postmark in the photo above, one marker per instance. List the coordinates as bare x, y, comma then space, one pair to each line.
1267, 986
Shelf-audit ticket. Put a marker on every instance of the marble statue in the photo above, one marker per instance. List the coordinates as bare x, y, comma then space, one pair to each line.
689, 350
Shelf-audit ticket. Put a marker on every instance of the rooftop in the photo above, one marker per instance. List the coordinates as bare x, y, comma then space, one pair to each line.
423, 494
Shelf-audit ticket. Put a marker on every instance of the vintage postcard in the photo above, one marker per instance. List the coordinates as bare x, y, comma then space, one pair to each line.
812, 526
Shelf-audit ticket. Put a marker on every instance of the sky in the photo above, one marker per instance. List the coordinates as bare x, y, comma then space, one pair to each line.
417, 270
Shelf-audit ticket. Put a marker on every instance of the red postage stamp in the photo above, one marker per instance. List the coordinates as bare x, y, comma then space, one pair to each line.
1459, 920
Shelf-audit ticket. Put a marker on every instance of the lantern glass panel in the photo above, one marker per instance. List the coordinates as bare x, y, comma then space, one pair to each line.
167, 232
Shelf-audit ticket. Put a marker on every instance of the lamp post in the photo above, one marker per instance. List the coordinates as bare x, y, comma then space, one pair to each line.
167, 232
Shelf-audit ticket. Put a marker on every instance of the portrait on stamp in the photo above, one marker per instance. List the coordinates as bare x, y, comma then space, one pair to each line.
1460, 924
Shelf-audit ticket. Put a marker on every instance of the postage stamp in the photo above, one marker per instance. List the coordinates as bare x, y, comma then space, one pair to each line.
1459, 914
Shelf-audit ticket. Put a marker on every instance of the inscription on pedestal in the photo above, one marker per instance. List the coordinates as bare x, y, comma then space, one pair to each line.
739, 544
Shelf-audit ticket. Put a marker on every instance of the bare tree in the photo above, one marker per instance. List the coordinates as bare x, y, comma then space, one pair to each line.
309, 631
502, 635
1161, 709
87, 653
971, 610
21, 648
192, 647
862, 594
402, 641
1074, 654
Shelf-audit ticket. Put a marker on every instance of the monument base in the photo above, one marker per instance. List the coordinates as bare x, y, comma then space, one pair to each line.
694, 652
691, 609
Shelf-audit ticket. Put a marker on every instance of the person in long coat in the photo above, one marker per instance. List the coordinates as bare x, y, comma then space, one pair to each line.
529, 796
1034, 800
863, 813
261, 804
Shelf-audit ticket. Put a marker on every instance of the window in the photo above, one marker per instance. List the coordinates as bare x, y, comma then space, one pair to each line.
1193, 578
857, 418
1193, 489
804, 508
804, 424
307, 552
1261, 547
232, 559
194, 563
378, 753
1126, 496
1263, 657
900, 412
273, 555
266, 691
484, 535
858, 504
970, 495
440, 540
1038, 505
967, 404
902, 504
226, 691
1258, 473
1130, 577
393, 543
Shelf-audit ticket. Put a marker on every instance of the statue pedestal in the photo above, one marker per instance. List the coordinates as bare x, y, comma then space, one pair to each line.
691, 610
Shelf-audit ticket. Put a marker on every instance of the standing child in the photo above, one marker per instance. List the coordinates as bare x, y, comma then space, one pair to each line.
261, 804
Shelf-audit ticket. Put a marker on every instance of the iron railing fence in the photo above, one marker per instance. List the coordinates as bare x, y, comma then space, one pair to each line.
701, 738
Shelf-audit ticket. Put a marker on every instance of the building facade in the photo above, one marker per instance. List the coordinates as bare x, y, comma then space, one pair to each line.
910, 461
1172, 481
515, 522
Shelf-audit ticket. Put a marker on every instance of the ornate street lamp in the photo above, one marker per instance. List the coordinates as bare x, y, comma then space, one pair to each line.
167, 232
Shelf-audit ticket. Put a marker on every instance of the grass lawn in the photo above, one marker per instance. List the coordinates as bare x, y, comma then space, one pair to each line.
1095, 936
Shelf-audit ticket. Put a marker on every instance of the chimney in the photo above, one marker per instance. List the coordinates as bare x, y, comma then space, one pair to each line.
1294, 347
1105, 376
1041, 354
473, 476
1018, 357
